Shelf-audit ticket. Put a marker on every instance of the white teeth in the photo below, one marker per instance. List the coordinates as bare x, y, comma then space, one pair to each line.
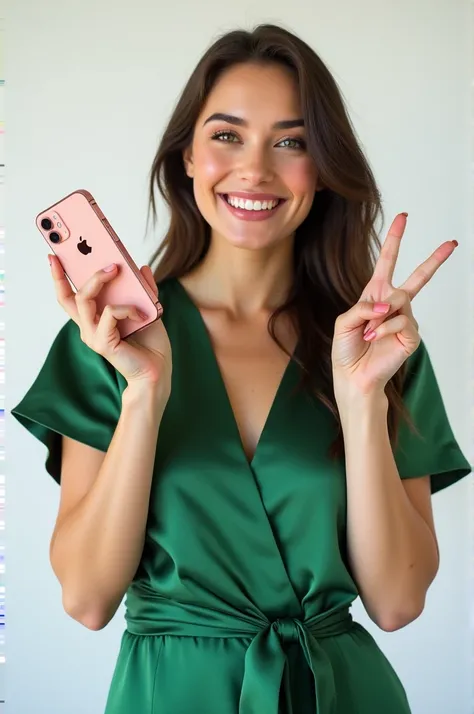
249, 205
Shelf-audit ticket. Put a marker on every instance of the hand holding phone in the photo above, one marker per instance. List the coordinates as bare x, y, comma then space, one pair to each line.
77, 231
109, 301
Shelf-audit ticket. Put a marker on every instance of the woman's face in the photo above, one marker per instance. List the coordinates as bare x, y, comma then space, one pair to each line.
249, 149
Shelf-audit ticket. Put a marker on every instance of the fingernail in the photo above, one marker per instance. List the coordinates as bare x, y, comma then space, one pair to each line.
50, 258
382, 307
370, 335
455, 243
367, 328
109, 268
405, 214
142, 315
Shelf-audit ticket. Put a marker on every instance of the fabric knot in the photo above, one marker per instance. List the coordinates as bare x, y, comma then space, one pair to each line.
287, 629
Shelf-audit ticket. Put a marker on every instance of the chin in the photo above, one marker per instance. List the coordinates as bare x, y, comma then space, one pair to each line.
248, 242
249, 236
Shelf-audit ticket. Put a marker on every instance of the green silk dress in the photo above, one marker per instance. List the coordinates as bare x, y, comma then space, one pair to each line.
241, 602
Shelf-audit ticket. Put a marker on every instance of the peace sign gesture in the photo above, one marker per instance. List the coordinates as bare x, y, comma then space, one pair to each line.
368, 349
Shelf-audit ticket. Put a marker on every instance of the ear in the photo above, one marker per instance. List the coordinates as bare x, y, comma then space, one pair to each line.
188, 161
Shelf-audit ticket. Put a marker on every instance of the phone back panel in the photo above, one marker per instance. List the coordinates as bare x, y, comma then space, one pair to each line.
90, 244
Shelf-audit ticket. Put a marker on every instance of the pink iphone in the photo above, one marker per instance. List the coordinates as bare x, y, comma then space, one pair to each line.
79, 234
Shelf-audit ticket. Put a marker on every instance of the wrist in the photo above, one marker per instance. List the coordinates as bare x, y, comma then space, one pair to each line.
347, 389
145, 394
355, 407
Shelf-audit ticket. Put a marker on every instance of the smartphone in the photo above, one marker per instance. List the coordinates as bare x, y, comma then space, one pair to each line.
77, 231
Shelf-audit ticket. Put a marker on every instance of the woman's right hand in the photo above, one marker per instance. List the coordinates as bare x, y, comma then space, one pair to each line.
144, 358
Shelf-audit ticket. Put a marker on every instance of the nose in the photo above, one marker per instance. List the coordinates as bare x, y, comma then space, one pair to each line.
256, 166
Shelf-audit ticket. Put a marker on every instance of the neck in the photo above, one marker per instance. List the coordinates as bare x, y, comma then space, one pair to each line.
245, 282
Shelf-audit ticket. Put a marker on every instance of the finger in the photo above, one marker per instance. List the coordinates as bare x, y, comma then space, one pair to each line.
365, 310
399, 302
423, 274
147, 273
85, 297
64, 293
106, 337
360, 313
401, 326
406, 308
387, 260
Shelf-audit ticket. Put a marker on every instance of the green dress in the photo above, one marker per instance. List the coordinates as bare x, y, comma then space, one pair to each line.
241, 602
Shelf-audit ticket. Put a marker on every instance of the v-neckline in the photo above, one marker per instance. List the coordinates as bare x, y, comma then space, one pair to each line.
207, 345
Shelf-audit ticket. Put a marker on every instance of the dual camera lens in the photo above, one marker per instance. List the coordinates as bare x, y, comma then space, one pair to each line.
47, 224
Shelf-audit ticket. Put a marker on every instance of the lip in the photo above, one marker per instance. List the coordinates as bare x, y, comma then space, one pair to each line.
253, 196
243, 215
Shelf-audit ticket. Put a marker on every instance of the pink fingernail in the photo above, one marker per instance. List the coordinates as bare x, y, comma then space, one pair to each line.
367, 328
370, 335
109, 268
142, 315
382, 307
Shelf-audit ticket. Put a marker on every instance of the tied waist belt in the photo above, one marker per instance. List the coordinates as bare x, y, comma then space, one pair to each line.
265, 658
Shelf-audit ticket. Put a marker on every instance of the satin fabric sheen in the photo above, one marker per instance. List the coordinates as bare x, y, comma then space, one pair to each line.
241, 602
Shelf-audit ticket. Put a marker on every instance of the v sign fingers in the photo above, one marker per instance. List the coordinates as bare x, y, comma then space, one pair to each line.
423, 274
387, 260
380, 285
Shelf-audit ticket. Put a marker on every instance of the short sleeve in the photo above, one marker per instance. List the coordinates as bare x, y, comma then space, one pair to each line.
434, 451
76, 393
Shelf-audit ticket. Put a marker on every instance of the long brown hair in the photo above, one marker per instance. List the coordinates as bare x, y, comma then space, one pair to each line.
334, 248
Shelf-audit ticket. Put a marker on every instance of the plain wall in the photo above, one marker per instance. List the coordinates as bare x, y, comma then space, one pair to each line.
89, 88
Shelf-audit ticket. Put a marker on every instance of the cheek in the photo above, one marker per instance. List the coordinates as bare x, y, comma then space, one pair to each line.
300, 176
211, 164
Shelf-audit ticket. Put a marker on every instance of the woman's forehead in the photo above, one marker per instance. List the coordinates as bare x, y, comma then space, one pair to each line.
254, 92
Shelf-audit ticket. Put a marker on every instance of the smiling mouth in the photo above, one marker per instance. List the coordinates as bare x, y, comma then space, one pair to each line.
247, 210
246, 204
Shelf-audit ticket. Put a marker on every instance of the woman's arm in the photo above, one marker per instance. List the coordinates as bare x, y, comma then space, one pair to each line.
392, 544
99, 535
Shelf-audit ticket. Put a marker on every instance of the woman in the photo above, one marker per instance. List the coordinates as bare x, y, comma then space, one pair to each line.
245, 497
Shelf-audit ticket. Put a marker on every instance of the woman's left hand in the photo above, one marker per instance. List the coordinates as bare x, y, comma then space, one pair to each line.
362, 363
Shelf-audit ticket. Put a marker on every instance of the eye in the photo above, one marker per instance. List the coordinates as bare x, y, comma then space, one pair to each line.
224, 136
292, 143
230, 137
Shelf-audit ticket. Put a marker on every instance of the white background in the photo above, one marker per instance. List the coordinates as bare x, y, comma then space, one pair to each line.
89, 88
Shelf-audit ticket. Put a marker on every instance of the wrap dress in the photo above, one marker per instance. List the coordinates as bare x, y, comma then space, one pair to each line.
241, 601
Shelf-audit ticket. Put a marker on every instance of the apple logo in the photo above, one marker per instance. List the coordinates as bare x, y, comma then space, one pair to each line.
82, 247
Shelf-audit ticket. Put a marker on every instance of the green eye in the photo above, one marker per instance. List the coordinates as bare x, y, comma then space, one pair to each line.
229, 137
293, 143
221, 136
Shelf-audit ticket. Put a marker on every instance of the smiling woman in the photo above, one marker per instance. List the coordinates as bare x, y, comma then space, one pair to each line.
232, 156
245, 488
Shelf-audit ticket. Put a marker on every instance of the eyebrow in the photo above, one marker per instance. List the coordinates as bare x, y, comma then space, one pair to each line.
238, 121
